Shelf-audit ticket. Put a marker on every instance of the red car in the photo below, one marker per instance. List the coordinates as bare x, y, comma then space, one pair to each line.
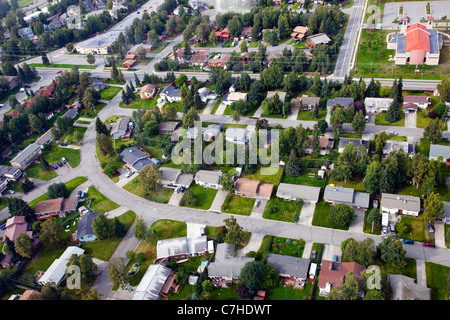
57, 72
429, 244
117, 173
145, 10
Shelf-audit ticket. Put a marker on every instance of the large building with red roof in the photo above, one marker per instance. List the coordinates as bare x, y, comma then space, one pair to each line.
416, 44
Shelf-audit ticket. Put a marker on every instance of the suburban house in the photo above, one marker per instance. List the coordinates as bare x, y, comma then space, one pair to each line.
135, 159
377, 105
130, 60
246, 33
343, 142
446, 217
205, 94
299, 32
325, 145
332, 275
422, 102
27, 156
239, 135
392, 146
406, 288
400, 204
224, 34
15, 226
172, 178
252, 188
183, 247
220, 60
231, 97
30, 294
208, 179
291, 268
56, 273
166, 127
26, 32
9, 173
55, 207
148, 91
170, 94
437, 150
13, 81
179, 55
152, 283
70, 114
211, 132
416, 44
409, 107
294, 192
272, 56
342, 101
121, 129
281, 95
195, 40
305, 102
85, 233
314, 40
225, 265
348, 196
199, 58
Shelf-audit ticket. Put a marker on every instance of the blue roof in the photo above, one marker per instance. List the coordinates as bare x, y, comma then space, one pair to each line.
434, 41
401, 43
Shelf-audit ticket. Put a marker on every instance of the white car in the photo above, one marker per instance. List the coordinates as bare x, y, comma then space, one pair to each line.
129, 174
256, 203
384, 231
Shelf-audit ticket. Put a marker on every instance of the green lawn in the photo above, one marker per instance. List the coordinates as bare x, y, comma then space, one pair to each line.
72, 156
284, 209
204, 196
437, 280
207, 44
270, 175
83, 122
414, 228
422, 118
305, 179
161, 195
307, 115
356, 183
41, 261
287, 246
110, 92
322, 217
67, 66
238, 205
98, 202
282, 292
36, 172
103, 249
381, 121
92, 113
139, 103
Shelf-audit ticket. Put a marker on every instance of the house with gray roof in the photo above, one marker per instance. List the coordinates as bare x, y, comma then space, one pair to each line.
289, 191
343, 142
392, 146
27, 156
85, 233
400, 204
152, 282
166, 127
342, 101
437, 150
170, 94
226, 265
348, 196
406, 288
288, 266
182, 247
135, 158
70, 114
120, 128
208, 179
46, 138
172, 178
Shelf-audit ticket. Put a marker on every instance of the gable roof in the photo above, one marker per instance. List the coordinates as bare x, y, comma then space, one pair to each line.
253, 188
397, 201
15, 226
152, 282
417, 38
298, 191
85, 224
25, 153
287, 265
132, 155
225, 265
212, 177
335, 272
437, 150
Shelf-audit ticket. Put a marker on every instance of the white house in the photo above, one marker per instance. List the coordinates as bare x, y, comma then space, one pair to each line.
400, 204
234, 96
206, 94
377, 105
208, 179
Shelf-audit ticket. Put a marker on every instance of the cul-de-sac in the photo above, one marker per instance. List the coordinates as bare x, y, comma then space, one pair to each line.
224, 150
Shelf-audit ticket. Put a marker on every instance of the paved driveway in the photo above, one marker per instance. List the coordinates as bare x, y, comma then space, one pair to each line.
330, 250
257, 212
175, 198
216, 206
410, 119
358, 223
307, 213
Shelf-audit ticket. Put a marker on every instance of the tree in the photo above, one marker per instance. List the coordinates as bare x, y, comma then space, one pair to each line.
348, 291
236, 116
374, 216
392, 251
140, 229
45, 60
23, 245
380, 142
100, 127
433, 207
371, 179
19, 207
27, 185
337, 119
57, 190
188, 199
342, 214
323, 125
51, 233
251, 276
213, 38
393, 112
35, 124
234, 231
117, 271
169, 112
243, 46
105, 144
433, 131
227, 180
102, 227
359, 122
90, 58
293, 166
189, 118
86, 264
150, 177
444, 89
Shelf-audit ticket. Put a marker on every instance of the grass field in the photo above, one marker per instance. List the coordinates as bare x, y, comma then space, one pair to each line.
307, 115
380, 120
356, 183
35, 171
305, 179
437, 280
161, 195
270, 175
204, 196
139, 103
238, 205
284, 210
103, 249
322, 217
414, 228
66, 66
99, 201
110, 92
72, 156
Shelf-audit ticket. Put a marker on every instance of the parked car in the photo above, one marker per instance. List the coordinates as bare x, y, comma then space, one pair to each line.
62, 144
129, 174
275, 45
393, 133
83, 196
182, 189
79, 193
384, 231
54, 166
430, 228
335, 258
117, 173
138, 12
256, 203
408, 241
64, 160
177, 190
60, 163
2, 105
313, 254
429, 244
58, 72
392, 227
367, 118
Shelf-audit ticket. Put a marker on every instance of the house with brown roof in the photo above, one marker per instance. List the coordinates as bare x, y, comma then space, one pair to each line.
299, 32
252, 188
31, 294
199, 58
422, 102
246, 32
332, 275
15, 226
305, 102
220, 60
325, 145
55, 207
148, 91
224, 34
13, 81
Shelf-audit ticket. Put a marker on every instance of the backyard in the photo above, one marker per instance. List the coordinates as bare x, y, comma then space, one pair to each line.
307, 178
238, 205
110, 92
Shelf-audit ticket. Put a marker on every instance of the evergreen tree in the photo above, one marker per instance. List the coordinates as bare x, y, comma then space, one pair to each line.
393, 113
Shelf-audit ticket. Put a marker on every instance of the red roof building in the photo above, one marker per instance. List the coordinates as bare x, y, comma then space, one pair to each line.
332, 274
15, 226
